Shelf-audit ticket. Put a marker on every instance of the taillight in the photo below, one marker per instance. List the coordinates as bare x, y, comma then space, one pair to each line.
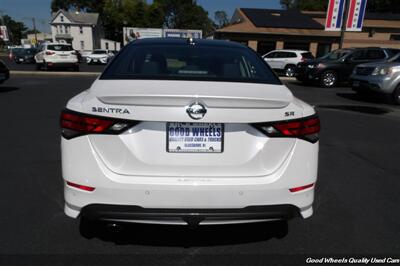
306, 128
74, 124
50, 53
297, 189
86, 188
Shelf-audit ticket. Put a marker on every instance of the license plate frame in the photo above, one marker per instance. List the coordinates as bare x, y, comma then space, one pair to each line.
189, 125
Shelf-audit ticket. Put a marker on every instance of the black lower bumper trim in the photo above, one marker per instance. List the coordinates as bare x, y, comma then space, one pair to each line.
190, 216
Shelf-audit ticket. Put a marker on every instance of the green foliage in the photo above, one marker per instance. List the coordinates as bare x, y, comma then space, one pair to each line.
116, 14
16, 29
185, 14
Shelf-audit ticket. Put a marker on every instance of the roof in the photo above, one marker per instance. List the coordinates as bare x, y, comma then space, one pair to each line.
273, 18
368, 15
183, 41
79, 18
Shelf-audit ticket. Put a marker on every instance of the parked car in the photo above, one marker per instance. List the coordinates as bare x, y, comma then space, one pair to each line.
381, 77
56, 55
286, 60
99, 57
338, 65
25, 55
213, 137
13, 52
4, 72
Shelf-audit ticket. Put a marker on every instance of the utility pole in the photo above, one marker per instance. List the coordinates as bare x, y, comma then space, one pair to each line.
344, 21
34, 30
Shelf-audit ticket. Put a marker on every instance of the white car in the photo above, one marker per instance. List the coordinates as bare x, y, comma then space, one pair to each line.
188, 132
286, 60
56, 55
99, 57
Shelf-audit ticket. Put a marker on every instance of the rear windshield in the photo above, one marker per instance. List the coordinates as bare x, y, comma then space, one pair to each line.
29, 51
307, 55
186, 62
59, 47
17, 50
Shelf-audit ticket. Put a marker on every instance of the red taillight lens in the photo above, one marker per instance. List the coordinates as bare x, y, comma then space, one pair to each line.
306, 128
74, 124
50, 53
86, 188
297, 189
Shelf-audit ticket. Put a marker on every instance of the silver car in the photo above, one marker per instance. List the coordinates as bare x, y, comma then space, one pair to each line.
382, 77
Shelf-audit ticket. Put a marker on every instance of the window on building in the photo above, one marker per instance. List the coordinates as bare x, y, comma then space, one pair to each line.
80, 29
61, 29
264, 47
395, 37
62, 18
107, 46
82, 45
323, 49
297, 46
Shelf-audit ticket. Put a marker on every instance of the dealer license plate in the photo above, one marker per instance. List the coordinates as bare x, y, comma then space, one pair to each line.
195, 137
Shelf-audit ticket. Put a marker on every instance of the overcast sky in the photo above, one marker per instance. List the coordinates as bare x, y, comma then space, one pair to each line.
24, 10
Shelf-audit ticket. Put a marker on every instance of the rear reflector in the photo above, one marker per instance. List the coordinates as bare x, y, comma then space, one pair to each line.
305, 128
74, 124
297, 189
86, 188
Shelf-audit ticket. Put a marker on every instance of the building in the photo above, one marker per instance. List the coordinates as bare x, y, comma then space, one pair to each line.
110, 45
267, 29
40, 36
83, 30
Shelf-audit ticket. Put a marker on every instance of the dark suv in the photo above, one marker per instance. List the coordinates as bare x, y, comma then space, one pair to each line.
338, 65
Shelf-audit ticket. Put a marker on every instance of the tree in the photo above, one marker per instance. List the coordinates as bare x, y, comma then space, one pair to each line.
185, 14
80, 5
16, 29
221, 18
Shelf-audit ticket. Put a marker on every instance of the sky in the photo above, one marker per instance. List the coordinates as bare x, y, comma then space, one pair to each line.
24, 10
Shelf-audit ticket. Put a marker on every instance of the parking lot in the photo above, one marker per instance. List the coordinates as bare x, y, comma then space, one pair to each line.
355, 211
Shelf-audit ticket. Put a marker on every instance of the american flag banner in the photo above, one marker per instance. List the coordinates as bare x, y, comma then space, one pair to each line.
356, 15
334, 16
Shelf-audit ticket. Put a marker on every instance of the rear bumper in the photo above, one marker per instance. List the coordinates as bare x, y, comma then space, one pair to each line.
188, 216
307, 74
62, 64
81, 165
381, 84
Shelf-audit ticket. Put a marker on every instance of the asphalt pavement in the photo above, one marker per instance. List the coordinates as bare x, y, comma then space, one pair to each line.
355, 211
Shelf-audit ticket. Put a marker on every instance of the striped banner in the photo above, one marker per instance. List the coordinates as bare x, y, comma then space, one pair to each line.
334, 17
356, 15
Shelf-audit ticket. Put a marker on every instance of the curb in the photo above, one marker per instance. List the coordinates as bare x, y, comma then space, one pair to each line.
55, 73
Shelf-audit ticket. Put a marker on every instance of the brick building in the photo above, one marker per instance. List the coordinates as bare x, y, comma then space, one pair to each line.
267, 29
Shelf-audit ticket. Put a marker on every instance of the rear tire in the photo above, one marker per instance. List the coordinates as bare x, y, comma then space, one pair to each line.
328, 79
290, 71
38, 66
396, 96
